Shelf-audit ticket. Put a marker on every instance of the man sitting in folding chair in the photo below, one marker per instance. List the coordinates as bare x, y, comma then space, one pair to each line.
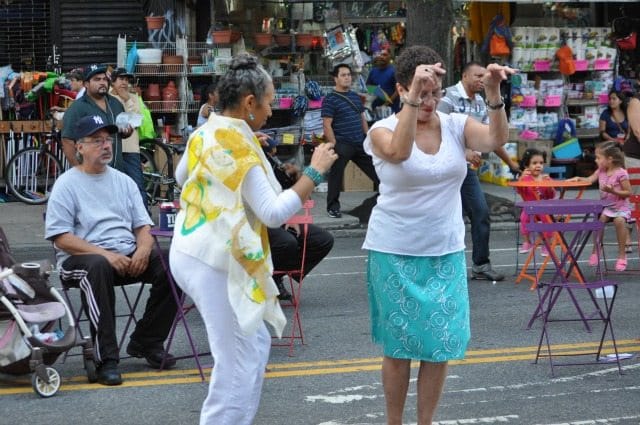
286, 241
100, 229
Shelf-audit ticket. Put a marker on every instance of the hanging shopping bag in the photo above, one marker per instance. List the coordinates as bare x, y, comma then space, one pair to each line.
498, 40
566, 144
132, 58
627, 43
146, 129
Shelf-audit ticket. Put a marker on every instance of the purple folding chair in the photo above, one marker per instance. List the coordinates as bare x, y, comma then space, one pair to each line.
183, 307
574, 235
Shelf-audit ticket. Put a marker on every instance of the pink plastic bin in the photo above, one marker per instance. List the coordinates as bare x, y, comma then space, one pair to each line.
603, 99
542, 66
316, 104
581, 65
285, 102
602, 65
528, 102
553, 101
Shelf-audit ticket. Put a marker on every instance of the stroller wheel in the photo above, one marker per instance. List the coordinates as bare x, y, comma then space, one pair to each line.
90, 368
43, 388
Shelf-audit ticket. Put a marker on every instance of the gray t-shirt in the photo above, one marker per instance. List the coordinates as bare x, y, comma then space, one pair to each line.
103, 209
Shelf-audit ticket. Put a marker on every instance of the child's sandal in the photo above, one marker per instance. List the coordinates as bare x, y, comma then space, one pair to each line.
593, 260
621, 264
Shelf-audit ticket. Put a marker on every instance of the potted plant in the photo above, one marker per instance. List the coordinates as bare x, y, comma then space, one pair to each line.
154, 22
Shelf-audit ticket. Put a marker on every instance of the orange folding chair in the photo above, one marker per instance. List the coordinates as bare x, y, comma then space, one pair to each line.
295, 277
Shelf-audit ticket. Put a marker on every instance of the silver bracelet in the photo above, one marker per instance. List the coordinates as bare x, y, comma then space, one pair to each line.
497, 106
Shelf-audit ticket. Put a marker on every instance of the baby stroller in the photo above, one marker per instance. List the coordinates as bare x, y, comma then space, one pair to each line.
27, 299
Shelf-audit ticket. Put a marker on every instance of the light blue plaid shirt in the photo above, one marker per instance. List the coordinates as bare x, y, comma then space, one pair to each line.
456, 100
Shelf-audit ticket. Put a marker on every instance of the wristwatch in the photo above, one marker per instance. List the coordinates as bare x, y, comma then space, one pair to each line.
497, 106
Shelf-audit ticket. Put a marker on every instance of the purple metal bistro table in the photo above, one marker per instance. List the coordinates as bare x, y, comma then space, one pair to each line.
556, 223
180, 301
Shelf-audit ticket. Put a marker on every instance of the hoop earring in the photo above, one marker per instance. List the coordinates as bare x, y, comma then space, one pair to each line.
251, 116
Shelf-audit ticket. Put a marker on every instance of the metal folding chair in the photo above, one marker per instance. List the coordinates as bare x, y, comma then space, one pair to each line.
184, 307
130, 313
574, 235
296, 278
556, 171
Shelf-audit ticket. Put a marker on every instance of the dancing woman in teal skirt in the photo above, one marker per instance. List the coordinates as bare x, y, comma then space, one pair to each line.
417, 278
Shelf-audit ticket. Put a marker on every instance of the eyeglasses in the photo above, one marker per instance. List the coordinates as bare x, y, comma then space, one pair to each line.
99, 142
436, 94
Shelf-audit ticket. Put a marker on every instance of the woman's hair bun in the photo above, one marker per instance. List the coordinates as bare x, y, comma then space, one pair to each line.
243, 61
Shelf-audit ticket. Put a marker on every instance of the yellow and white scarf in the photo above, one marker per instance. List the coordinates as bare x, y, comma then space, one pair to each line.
214, 227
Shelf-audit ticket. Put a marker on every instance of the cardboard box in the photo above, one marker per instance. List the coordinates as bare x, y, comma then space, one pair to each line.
355, 180
541, 145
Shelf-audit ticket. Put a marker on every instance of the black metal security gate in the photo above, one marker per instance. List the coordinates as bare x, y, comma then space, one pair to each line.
25, 34
87, 31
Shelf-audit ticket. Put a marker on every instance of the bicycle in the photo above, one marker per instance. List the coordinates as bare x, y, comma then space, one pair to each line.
31, 172
160, 184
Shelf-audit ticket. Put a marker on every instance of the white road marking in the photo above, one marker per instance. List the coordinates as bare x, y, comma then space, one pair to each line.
483, 420
598, 421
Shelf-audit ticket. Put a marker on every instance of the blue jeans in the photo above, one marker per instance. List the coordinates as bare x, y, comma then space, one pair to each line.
474, 205
133, 168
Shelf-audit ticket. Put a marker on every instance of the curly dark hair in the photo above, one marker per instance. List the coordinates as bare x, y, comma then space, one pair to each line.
244, 77
528, 154
410, 58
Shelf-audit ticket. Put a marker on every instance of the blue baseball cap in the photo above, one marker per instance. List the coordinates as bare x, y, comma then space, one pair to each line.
88, 125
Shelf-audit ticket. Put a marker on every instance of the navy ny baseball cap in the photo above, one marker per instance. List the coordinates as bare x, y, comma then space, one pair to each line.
94, 69
88, 125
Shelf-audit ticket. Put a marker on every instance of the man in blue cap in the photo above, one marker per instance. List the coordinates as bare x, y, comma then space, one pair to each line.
101, 231
96, 101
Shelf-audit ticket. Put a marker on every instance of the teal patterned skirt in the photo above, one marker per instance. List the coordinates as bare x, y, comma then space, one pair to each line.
419, 305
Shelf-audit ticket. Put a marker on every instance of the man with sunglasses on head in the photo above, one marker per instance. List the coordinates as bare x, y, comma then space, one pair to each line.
95, 101
101, 232
465, 98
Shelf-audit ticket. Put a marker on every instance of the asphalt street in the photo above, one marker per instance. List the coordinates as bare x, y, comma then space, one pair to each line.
334, 379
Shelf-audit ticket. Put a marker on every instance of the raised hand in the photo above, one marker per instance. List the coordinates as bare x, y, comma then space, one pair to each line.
495, 74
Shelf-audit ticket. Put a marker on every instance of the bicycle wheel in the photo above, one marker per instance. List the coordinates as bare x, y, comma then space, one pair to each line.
31, 174
149, 171
164, 160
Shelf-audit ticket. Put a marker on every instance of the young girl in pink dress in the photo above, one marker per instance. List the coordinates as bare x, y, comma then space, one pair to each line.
532, 165
615, 190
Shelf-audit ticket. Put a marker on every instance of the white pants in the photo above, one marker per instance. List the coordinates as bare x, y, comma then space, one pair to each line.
239, 360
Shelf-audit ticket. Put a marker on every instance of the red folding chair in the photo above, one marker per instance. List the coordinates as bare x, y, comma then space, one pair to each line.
295, 277
634, 247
